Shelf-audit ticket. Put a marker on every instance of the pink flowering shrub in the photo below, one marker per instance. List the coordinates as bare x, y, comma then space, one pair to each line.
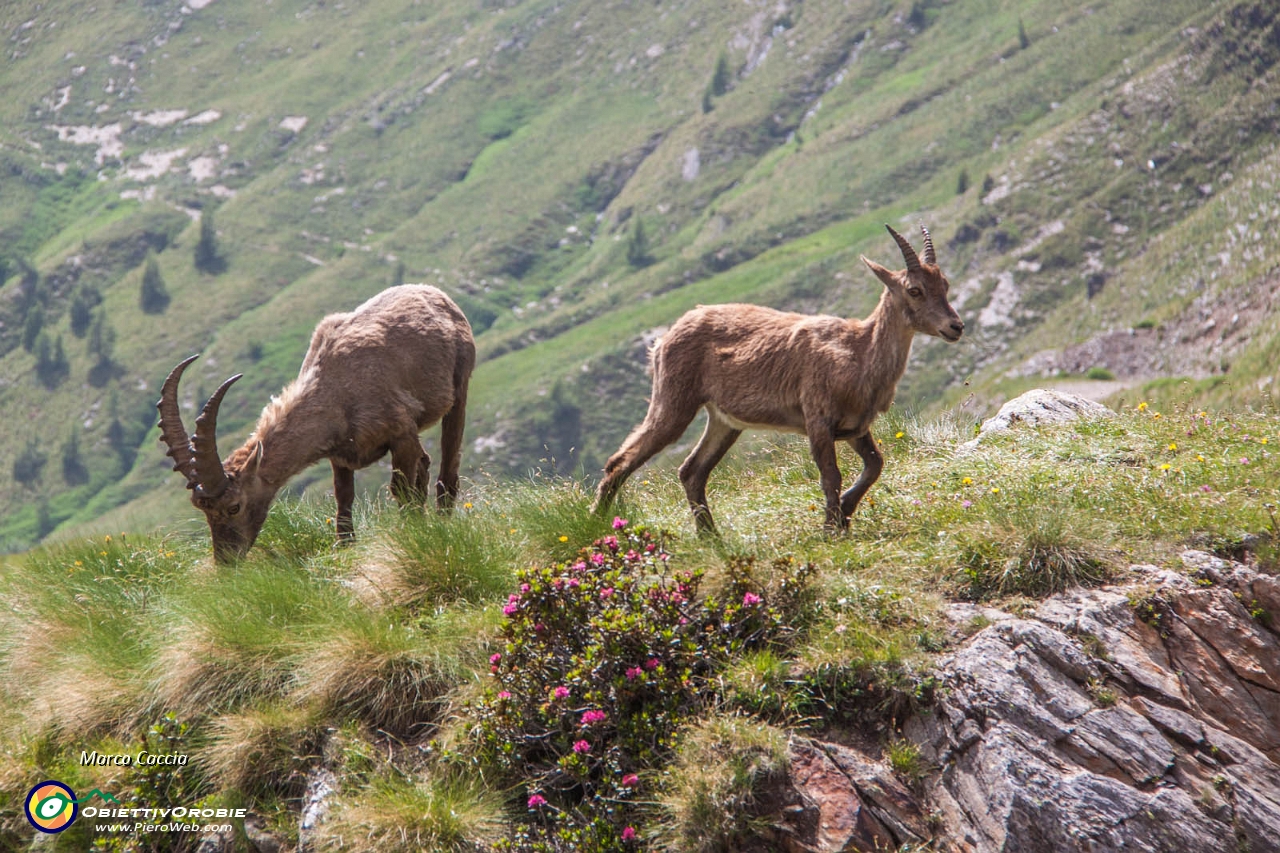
604, 658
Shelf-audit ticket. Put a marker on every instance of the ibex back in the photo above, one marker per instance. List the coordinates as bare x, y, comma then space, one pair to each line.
371, 381
757, 368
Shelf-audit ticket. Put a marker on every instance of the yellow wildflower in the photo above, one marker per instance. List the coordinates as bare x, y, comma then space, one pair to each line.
1165, 467
1173, 445
1142, 407
1199, 458
995, 490
900, 434
467, 505
967, 481
564, 538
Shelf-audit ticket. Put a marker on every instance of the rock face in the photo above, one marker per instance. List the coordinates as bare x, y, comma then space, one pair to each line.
1040, 406
1142, 717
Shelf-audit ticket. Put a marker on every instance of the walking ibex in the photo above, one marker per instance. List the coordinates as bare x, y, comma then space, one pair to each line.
757, 368
371, 381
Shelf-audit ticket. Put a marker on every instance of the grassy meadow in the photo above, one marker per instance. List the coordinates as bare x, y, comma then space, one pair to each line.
494, 680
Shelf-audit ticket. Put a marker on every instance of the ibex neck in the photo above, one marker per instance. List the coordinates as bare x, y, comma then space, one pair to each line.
291, 434
891, 337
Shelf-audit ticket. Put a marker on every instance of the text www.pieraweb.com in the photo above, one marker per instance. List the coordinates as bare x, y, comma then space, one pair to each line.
161, 820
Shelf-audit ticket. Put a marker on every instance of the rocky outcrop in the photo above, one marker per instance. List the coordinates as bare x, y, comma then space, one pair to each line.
1138, 717
1040, 406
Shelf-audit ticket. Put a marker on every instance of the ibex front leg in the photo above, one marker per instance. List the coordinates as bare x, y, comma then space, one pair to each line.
822, 444
872, 464
344, 492
410, 471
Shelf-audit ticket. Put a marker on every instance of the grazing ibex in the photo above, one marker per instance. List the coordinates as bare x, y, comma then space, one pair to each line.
371, 381
757, 368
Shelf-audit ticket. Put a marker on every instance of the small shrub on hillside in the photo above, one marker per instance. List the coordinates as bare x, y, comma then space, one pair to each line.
604, 659
1099, 373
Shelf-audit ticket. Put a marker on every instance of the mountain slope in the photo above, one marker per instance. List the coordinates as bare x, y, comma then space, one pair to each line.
508, 152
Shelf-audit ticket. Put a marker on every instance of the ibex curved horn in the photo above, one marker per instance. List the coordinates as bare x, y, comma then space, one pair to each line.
210, 478
929, 256
172, 432
908, 253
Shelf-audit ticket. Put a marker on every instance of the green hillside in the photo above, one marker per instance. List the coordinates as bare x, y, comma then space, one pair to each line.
1085, 170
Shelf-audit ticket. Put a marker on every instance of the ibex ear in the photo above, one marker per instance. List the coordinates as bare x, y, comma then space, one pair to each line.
886, 276
251, 467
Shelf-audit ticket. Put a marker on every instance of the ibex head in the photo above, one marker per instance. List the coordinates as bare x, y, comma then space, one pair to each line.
921, 290
233, 498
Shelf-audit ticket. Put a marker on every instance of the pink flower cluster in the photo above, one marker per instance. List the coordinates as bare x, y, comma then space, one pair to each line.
536, 801
581, 747
592, 716
512, 605
750, 599
560, 692
619, 523
629, 833
634, 672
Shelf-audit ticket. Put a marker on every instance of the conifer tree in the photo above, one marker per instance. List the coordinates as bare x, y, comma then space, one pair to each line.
74, 472
154, 297
638, 246
32, 327
102, 338
207, 256
83, 302
29, 463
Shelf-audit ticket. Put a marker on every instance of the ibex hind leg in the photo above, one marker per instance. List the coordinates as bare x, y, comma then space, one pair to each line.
716, 440
656, 431
451, 452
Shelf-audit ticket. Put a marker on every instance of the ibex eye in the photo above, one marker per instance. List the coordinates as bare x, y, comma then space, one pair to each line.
234, 509
915, 293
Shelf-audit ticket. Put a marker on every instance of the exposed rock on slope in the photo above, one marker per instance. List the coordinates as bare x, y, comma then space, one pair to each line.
1142, 717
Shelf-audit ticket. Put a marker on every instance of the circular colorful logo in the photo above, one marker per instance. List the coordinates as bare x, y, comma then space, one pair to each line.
51, 806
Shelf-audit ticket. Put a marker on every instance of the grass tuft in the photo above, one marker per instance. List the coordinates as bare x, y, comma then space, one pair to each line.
397, 814
557, 520
717, 795
387, 673
1035, 550
234, 634
265, 748
426, 560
